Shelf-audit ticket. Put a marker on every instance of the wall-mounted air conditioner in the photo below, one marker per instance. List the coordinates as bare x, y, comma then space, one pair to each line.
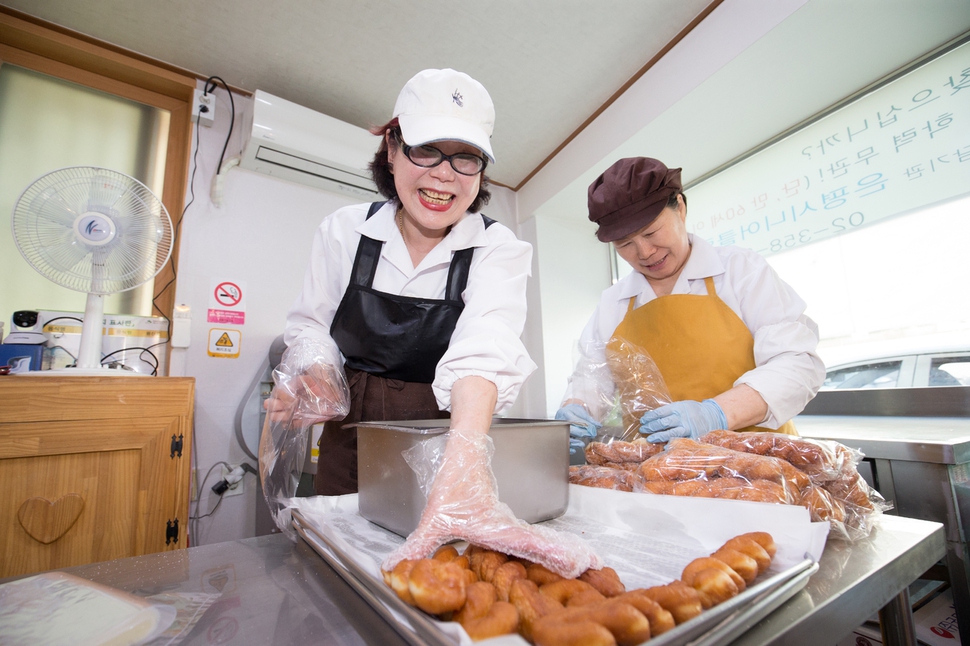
295, 143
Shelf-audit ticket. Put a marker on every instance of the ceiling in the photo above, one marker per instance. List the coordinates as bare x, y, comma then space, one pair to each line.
548, 64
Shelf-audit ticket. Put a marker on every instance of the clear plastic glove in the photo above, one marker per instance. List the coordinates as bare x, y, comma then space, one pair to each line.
683, 419
582, 426
307, 390
455, 471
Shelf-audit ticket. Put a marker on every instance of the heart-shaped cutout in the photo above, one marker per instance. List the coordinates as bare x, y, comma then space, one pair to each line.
46, 521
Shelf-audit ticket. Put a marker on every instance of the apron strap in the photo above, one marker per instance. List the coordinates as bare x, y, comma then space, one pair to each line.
458, 272
368, 252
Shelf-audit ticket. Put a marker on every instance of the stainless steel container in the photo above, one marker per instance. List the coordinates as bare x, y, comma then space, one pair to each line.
531, 467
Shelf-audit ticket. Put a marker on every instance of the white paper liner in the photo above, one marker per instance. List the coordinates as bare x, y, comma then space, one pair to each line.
646, 538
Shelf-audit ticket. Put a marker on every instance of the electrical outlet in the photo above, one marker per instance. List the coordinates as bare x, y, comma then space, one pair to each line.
204, 108
234, 489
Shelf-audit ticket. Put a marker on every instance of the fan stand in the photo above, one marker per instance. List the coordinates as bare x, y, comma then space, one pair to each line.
98, 206
89, 355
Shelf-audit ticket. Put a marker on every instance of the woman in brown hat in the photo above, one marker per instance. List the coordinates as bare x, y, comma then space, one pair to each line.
730, 338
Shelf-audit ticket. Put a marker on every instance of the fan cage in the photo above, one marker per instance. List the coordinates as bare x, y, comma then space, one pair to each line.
43, 226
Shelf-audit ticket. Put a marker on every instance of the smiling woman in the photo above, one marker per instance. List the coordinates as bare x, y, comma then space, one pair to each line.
730, 339
416, 305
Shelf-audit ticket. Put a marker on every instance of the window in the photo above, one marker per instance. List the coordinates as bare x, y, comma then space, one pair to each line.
148, 88
47, 123
869, 375
950, 371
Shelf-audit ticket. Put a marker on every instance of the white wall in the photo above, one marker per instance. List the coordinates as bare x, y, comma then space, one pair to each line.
260, 235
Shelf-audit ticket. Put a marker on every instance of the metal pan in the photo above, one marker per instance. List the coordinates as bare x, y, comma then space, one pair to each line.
721, 624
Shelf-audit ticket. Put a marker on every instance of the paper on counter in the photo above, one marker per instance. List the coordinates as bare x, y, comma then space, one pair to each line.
59, 608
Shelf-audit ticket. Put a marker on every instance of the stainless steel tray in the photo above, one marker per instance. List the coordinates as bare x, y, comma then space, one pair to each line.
719, 625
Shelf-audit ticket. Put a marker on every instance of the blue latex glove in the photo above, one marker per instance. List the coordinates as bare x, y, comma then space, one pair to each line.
683, 419
582, 427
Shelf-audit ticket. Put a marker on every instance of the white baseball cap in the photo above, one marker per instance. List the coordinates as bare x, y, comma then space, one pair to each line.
445, 105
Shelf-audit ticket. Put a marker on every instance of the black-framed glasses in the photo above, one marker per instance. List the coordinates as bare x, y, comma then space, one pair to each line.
429, 157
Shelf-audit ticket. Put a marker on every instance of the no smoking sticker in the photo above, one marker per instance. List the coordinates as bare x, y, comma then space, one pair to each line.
224, 343
228, 294
227, 305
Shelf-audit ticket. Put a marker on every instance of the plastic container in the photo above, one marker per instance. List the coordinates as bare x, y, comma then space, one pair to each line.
531, 467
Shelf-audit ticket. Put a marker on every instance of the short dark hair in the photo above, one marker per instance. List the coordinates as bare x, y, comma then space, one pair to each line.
380, 169
672, 200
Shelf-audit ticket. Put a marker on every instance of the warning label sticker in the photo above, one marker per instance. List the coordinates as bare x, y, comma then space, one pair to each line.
224, 343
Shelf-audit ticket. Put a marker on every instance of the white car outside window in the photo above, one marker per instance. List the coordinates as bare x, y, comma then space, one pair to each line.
927, 370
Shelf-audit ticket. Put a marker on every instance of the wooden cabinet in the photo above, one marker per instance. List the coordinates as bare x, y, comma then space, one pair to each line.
92, 469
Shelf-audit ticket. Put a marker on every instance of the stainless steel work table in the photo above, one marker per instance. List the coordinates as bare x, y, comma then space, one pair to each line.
921, 465
274, 591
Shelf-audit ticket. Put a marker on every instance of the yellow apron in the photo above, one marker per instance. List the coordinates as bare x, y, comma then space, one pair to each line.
699, 344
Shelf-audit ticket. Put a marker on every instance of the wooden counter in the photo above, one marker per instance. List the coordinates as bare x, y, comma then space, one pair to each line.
92, 469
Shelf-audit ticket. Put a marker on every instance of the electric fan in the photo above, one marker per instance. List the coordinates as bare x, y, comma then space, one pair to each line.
92, 230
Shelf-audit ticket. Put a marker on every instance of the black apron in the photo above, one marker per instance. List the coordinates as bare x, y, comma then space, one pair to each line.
392, 345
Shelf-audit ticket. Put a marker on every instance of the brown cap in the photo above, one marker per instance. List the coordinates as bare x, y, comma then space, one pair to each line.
629, 195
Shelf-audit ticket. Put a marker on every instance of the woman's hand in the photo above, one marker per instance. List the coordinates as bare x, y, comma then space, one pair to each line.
739, 407
582, 426
463, 504
682, 419
317, 395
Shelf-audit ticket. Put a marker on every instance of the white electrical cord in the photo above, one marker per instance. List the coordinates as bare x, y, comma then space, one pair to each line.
219, 181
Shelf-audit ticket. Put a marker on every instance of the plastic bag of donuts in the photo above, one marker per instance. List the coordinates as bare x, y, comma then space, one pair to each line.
492, 594
618, 382
829, 465
606, 477
690, 468
639, 384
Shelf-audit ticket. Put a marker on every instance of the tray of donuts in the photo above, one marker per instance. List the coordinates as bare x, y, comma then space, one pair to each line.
465, 594
819, 475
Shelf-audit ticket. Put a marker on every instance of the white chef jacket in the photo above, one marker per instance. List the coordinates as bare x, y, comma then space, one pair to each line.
486, 339
788, 371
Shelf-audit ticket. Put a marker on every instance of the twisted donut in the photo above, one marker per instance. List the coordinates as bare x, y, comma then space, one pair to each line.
604, 477
484, 563
564, 591
707, 562
627, 625
575, 633
479, 597
505, 575
437, 587
483, 616
750, 547
445, 553
744, 565
763, 539
398, 580
661, 620
524, 595
540, 574
713, 586
605, 580
619, 451
679, 599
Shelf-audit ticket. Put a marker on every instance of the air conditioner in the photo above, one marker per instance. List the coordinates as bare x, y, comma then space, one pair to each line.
295, 143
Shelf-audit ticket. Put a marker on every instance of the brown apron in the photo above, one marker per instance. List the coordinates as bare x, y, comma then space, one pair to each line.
699, 344
372, 399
